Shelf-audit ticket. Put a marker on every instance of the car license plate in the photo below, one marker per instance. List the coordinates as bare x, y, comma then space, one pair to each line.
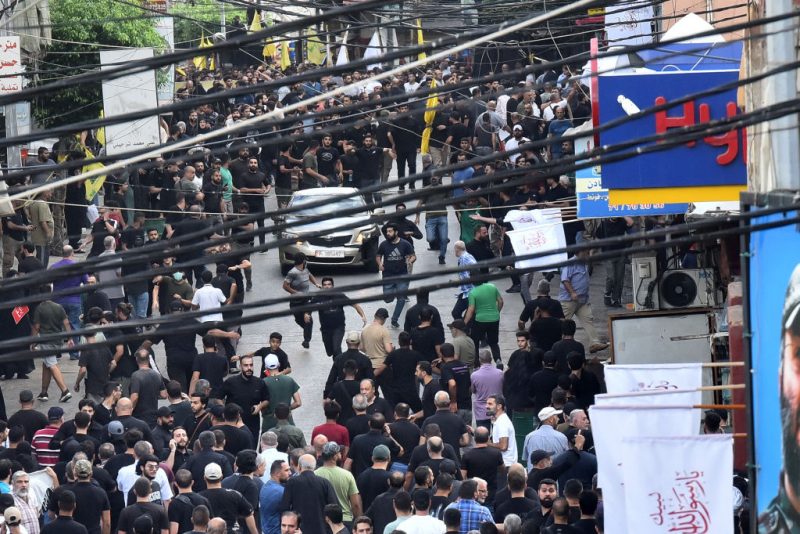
330, 254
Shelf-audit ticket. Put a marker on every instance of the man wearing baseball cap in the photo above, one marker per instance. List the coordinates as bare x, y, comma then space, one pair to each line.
94, 512
546, 437
283, 389
227, 504
47, 456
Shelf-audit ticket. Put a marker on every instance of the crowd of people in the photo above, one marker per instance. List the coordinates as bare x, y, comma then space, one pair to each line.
432, 434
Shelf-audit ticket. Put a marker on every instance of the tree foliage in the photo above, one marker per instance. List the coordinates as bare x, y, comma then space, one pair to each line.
81, 28
197, 18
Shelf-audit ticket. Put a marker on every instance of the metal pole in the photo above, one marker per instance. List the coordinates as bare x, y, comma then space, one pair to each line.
782, 88
222, 19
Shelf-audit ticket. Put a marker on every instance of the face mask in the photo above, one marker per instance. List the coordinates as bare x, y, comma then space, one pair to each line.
178, 276
547, 502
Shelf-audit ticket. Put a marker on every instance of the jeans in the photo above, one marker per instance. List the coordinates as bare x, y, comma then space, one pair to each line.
408, 157
462, 303
492, 332
332, 339
395, 290
139, 303
74, 316
436, 230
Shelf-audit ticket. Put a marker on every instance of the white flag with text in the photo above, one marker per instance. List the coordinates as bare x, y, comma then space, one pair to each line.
658, 377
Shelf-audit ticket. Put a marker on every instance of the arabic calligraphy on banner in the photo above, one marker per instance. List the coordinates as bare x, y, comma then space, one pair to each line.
10, 65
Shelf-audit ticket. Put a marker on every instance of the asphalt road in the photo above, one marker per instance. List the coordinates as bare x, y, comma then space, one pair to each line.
310, 367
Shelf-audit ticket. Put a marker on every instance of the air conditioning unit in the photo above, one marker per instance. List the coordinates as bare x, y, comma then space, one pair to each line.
645, 283
687, 288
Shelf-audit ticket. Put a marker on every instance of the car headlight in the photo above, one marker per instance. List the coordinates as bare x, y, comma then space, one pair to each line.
292, 236
365, 235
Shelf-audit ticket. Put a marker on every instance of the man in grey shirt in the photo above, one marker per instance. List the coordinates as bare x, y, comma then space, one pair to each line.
297, 283
112, 272
42, 159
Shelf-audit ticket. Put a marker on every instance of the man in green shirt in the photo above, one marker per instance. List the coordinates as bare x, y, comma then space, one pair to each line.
282, 389
342, 480
483, 316
50, 318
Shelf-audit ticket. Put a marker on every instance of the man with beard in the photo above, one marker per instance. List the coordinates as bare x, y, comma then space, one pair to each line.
247, 391
480, 248
328, 161
370, 163
178, 449
162, 432
783, 513
253, 186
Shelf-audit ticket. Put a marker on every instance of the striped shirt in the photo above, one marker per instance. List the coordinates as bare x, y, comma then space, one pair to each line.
46, 456
465, 259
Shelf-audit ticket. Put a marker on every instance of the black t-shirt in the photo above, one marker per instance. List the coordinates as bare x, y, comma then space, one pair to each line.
236, 439
283, 358
433, 464
459, 372
357, 425
451, 425
212, 196
181, 508
131, 513
90, 503
253, 180
64, 525
179, 347
192, 226
562, 349
420, 454
394, 257
560, 529
213, 367
29, 264
370, 161
343, 392
483, 463
31, 420
331, 316
381, 405
228, 504
544, 332
407, 435
424, 340
246, 393
548, 303
283, 180
429, 391
371, 483
457, 131
133, 237
96, 361
326, 160
148, 383
516, 505
361, 450
403, 363
155, 494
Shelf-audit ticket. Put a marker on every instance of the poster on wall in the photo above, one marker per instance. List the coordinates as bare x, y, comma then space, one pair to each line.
773, 293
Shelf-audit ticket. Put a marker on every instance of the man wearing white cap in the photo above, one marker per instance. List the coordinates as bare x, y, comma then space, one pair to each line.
282, 389
513, 143
546, 437
227, 504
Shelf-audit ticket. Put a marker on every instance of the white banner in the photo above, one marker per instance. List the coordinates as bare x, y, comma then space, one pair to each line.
610, 424
653, 377
166, 28
536, 231
678, 484
130, 93
10, 65
671, 397
629, 23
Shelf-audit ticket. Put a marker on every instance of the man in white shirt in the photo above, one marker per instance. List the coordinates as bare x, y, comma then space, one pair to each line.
515, 142
270, 452
127, 476
503, 435
421, 522
209, 298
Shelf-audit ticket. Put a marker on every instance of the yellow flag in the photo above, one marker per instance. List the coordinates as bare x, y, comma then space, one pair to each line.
101, 132
420, 40
93, 185
430, 115
286, 61
255, 26
270, 50
314, 51
200, 61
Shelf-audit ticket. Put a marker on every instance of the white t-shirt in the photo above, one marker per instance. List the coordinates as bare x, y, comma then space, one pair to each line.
269, 456
127, 477
503, 428
423, 524
209, 297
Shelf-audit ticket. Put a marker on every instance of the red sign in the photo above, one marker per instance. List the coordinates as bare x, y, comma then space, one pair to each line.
18, 313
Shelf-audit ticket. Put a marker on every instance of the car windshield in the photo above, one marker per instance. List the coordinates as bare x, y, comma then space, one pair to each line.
333, 206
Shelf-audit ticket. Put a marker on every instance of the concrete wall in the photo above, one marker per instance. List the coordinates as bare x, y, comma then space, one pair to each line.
720, 13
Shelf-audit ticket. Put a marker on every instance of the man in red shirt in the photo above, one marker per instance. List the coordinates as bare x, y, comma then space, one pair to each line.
331, 429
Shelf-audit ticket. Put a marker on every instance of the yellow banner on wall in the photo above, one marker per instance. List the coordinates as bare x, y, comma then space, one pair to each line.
717, 193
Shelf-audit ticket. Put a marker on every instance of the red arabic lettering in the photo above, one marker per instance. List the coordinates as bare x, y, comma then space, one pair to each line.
534, 239
663, 122
658, 515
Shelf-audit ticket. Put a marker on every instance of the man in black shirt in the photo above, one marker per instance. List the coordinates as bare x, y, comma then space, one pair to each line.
518, 504
480, 247
454, 430
198, 462
64, 523
545, 329
199, 228
183, 504
328, 163
331, 316
275, 340
382, 512
426, 338
402, 363
455, 376
359, 456
484, 462
373, 481
253, 187
362, 367
394, 257
227, 504
28, 417
543, 382
405, 432
406, 228
404, 136
370, 164
247, 391
566, 345
430, 388
236, 438
142, 507
147, 386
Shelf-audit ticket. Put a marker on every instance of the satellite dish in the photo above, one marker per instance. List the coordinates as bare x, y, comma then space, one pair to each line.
678, 289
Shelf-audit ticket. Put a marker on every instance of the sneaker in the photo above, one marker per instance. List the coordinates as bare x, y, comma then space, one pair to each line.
441, 260
43, 397
305, 344
65, 396
607, 301
616, 304
249, 286
513, 289
395, 324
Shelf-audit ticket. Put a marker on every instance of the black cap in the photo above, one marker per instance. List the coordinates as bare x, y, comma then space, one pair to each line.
549, 357
539, 455
165, 411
